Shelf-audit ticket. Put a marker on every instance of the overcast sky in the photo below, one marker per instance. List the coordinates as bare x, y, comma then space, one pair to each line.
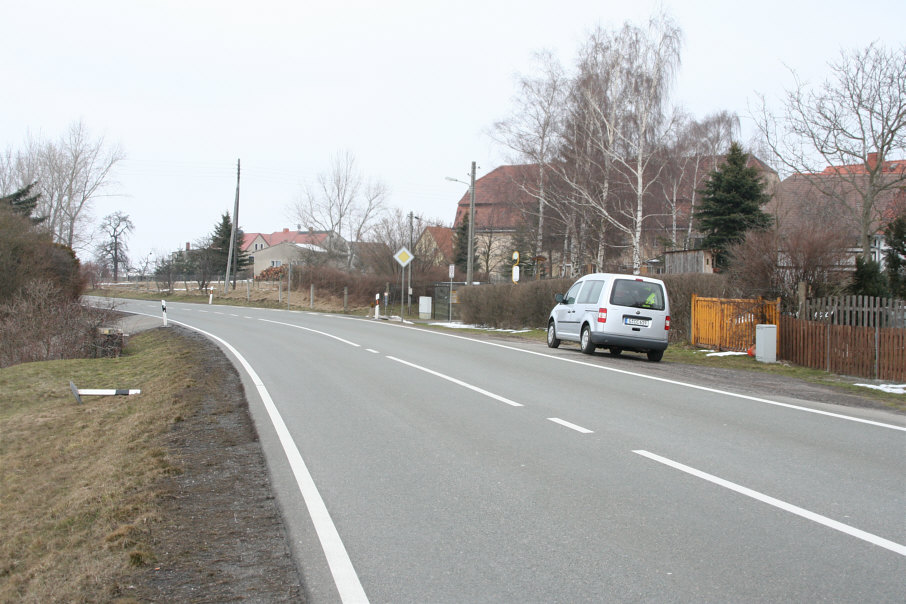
410, 88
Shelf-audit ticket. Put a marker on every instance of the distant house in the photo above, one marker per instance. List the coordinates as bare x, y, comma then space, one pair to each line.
831, 200
281, 247
435, 246
503, 204
506, 215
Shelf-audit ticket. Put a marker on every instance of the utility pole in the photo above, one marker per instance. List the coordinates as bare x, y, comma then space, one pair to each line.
470, 260
409, 292
226, 281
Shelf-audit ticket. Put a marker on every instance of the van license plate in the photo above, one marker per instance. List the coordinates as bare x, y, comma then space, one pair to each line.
634, 321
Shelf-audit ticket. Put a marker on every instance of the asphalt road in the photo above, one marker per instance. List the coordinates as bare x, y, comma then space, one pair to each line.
418, 466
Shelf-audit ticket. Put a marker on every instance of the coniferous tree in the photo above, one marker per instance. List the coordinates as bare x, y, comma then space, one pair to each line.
23, 202
895, 257
868, 280
220, 247
731, 204
461, 245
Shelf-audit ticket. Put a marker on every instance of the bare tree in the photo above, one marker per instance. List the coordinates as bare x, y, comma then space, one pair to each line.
341, 202
533, 130
620, 119
854, 122
773, 262
691, 150
115, 228
70, 174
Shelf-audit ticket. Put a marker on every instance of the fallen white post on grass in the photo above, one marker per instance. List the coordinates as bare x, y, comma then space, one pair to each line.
80, 392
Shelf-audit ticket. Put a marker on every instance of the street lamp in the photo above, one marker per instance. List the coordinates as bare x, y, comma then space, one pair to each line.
469, 260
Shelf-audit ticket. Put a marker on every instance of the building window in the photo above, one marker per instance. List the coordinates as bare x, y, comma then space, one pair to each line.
276, 262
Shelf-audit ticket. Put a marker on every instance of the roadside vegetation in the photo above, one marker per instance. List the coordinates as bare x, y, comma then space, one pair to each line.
79, 495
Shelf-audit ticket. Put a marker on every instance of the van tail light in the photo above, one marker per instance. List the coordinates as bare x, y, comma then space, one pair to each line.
667, 323
602, 315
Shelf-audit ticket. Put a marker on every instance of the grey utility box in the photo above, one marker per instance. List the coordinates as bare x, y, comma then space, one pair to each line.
424, 307
766, 343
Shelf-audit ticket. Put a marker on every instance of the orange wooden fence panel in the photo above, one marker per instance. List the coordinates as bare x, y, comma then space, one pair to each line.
729, 324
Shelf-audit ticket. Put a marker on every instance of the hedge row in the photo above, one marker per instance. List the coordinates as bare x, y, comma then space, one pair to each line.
527, 305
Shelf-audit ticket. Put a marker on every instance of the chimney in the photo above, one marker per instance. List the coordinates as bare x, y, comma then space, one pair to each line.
187, 246
286, 230
872, 161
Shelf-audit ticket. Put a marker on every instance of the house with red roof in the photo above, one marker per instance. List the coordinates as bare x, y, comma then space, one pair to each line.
435, 246
833, 199
507, 210
286, 246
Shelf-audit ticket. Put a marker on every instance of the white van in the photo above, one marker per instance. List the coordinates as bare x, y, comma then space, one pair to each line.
617, 312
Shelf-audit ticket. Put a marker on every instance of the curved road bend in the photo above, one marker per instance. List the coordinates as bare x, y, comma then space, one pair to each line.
418, 466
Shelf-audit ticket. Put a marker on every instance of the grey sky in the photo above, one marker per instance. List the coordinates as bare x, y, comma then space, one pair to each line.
410, 88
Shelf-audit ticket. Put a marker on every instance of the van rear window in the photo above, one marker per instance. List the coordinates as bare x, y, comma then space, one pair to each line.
637, 294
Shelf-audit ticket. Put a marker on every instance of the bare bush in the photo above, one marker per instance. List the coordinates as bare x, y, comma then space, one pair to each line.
680, 289
40, 323
510, 306
772, 263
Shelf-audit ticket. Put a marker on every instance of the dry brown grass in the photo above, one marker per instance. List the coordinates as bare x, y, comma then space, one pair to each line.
76, 481
258, 294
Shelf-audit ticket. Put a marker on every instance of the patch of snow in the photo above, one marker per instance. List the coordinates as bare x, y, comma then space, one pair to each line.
458, 325
728, 353
891, 388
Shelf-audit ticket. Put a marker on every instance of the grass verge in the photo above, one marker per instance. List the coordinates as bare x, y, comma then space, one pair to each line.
77, 481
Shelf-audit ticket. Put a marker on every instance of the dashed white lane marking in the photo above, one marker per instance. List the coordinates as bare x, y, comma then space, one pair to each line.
569, 425
788, 507
372, 350
459, 382
567, 359
322, 333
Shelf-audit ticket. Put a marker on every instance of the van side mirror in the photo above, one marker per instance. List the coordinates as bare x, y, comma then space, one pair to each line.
558, 298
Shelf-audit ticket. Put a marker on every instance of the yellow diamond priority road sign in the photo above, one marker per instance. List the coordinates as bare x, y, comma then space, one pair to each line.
403, 256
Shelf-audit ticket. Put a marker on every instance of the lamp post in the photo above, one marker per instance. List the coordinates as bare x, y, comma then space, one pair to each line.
470, 252
409, 267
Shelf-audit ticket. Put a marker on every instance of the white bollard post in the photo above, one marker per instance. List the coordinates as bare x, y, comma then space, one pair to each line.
163, 306
377, 306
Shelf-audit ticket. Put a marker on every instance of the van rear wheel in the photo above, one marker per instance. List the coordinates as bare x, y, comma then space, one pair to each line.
588, 347
552, 340
655, 355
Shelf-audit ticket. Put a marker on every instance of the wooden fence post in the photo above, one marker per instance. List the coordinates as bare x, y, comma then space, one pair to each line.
692, 322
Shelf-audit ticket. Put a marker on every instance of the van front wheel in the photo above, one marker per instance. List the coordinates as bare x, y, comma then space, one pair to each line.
588, 347
552, 340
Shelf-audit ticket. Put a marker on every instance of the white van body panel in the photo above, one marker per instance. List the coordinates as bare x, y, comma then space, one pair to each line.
620, 312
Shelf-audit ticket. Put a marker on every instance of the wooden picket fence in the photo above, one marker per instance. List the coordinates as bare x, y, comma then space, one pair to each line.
729, 324
851, 335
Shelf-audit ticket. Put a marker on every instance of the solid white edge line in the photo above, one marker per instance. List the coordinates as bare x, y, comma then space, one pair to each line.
788, 507
569, 425
458, 382
665, 380
344, 575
